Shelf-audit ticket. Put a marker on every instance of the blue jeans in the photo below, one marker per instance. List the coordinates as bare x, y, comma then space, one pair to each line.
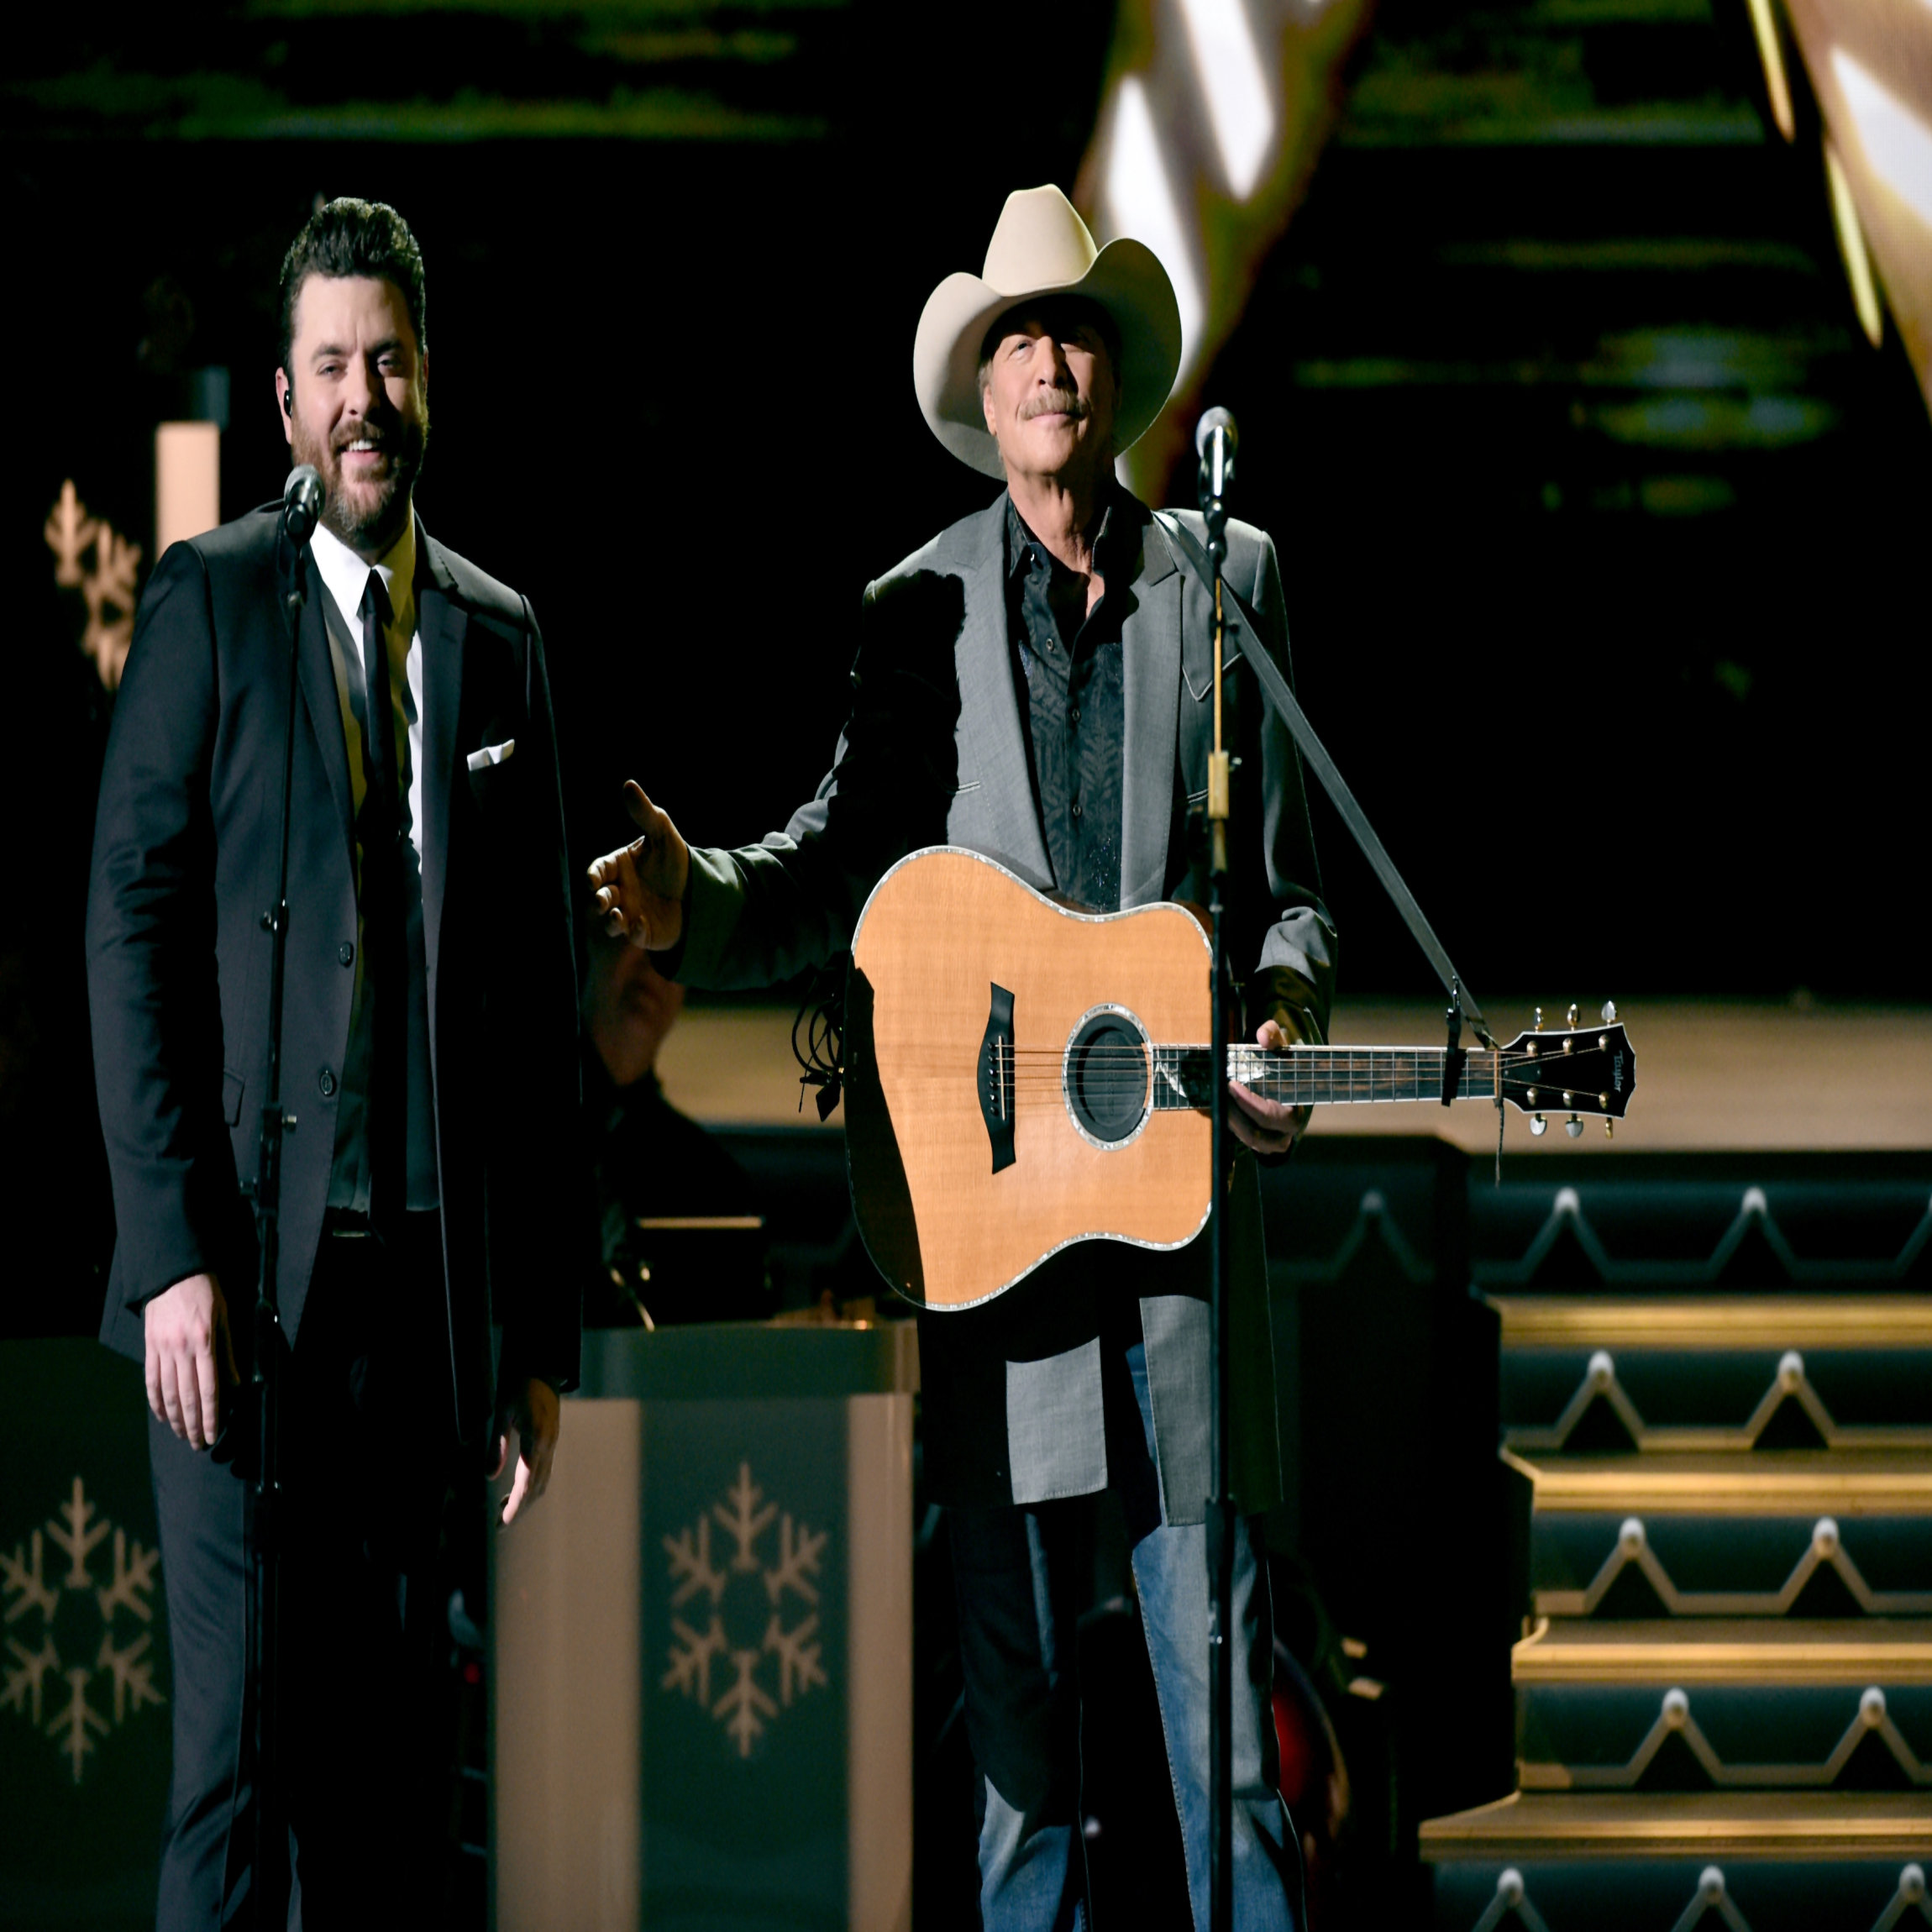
1021, 1582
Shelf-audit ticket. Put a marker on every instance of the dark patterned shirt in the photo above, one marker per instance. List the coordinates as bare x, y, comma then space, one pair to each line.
1072, 696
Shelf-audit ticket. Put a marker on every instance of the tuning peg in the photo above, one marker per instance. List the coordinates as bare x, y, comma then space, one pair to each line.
1609, 1012
1538, 1125
1610, 1130
1539, 1018
1573, 1012
1573, 1127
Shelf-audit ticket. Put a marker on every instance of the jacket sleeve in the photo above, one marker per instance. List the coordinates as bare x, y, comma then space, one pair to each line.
767, 911
548, 1238
1295, 981
152, 985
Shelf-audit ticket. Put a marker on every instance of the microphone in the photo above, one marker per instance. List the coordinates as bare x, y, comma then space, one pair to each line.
1215, 443
302, 499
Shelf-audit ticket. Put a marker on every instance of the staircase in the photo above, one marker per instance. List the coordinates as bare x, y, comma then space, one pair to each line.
1719, 1383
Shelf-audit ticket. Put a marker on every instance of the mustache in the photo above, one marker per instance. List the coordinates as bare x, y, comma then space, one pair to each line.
1057, 402
383, 435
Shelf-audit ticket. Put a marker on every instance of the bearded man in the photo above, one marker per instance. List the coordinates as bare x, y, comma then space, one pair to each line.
1035, 684
431, 1005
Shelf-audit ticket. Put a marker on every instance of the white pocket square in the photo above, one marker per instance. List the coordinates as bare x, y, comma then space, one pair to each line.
492, 755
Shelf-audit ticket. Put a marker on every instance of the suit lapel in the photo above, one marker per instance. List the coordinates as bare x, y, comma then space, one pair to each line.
315, 671
1151, 659
994, 748
441, 621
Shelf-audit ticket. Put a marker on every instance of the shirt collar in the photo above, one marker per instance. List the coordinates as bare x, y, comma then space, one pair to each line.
1111, 533
347, 575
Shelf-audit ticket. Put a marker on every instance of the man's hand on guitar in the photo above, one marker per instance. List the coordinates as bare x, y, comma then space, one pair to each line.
638, 890
1266, 1125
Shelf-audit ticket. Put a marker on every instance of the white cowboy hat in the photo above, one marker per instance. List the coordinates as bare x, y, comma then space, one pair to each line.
1041, 248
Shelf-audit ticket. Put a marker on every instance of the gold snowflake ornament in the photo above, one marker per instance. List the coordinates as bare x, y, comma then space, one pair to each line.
750, 1700
32, 1674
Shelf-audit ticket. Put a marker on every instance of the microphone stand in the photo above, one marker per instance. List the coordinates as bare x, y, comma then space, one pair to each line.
1220, 1511
269, 1879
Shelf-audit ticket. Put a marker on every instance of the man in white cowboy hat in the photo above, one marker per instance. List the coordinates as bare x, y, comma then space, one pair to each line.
1035, 684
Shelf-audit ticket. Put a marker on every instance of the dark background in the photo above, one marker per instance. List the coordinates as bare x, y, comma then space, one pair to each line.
1603, 530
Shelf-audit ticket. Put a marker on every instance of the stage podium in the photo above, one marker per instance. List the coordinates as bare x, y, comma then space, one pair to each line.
702, 1640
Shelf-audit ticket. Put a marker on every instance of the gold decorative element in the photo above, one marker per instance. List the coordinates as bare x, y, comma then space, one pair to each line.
1715, 1321
1684, 1825
1839, 1651
1675, 1714
70, 532
109, 585
1796, 1482
1777, 86
1790, 1384
1826, 1550
1851, 246
1753, 1212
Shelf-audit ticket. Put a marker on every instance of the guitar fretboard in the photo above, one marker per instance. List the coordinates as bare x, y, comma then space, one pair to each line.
1321, 1076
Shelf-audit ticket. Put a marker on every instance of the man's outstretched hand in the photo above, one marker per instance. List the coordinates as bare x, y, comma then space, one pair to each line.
638, 890
190, 1355
532, 1409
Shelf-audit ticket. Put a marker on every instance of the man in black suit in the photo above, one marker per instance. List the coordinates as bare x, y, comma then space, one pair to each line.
431, 1188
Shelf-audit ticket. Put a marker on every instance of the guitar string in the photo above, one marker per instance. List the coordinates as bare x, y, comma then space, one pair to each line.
1339, 1074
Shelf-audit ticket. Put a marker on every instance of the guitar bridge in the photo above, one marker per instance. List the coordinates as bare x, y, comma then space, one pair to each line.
996, 1084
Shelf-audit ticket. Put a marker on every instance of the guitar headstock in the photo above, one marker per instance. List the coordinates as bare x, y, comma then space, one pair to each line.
1570, 1069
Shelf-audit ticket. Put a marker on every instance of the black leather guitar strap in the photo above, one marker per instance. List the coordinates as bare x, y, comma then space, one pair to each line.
1247, 633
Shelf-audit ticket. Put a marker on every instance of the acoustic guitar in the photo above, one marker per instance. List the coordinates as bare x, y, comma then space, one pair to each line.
1019, 1076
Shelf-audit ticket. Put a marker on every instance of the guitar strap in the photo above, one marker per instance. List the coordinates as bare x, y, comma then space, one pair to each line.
1247, 633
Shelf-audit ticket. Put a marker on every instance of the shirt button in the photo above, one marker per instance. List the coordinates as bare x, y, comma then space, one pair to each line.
325, 1083
1076, 808
1073, 716
346, 954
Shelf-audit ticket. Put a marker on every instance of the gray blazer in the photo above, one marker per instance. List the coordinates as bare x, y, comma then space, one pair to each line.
934, 752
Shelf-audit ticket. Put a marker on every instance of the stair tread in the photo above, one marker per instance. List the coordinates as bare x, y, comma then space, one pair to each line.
1715, 1321
1781, 1482
1884, 1651
1550, 1824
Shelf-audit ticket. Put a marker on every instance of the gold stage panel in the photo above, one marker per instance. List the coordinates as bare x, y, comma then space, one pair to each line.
1726, 1650
1715, 1321
1793, 1482
1687, 1824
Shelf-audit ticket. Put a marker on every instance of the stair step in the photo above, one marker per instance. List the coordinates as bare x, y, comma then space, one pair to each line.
1858, 1651
1736, 1707
1620, 1378
1768, 1321
1599, 1563
1786, 1482
1870, 1234
1552, 1824
1690, 1891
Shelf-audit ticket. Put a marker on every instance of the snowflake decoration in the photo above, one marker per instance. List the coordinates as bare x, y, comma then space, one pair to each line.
109, 586
34, 1675
746, 1704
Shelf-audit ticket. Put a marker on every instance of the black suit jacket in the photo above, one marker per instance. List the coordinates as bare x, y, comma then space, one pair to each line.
184, 867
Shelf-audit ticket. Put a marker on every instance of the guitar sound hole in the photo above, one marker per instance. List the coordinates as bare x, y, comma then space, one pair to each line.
1106, 1076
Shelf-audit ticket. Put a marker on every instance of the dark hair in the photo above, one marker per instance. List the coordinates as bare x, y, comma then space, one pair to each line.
347, 237
1054, 311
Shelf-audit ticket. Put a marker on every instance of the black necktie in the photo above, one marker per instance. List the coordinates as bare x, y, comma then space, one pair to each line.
386, 979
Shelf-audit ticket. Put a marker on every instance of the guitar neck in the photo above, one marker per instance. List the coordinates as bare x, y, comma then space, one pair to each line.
1322, 1076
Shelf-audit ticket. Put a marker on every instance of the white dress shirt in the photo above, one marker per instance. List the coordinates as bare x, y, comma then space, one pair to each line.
345, 579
